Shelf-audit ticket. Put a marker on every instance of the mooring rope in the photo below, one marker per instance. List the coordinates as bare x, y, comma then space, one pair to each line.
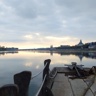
89, 86
39, 72
41, 85
92, 82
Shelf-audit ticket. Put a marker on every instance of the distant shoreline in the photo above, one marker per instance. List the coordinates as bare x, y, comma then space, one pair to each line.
65, 50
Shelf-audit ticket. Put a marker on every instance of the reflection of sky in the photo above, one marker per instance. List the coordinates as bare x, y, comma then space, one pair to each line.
11, 64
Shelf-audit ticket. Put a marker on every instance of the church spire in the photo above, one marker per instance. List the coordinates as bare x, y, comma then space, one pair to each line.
80, 43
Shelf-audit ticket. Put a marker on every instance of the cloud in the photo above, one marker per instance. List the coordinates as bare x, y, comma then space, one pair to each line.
38, 21
77, 8
60, 40
28, 37
38, 34
23, 8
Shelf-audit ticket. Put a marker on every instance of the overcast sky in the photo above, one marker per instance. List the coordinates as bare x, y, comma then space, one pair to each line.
41, 23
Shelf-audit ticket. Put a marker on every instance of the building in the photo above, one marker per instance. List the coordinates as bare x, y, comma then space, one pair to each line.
80, 43
92, 46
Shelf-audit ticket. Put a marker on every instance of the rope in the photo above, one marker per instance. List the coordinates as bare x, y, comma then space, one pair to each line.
93, 80
89, 86
38, 73
41, 85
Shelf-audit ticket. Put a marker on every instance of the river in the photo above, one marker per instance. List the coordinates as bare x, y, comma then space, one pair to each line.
15, 62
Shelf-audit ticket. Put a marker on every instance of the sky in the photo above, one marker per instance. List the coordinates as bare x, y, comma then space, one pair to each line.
42, 23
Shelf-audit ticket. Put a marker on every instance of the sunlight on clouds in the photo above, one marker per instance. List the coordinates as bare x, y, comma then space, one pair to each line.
36, 23
41, 41
28, 36
58, 38
57, 41
37, 34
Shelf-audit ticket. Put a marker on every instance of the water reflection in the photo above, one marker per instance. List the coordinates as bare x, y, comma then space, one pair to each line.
7, 52
15, 62
80, 55
83, 54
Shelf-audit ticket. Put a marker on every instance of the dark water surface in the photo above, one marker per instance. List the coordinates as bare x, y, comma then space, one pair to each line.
12, 63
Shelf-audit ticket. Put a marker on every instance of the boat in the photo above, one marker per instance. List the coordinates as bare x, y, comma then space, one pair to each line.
70, 80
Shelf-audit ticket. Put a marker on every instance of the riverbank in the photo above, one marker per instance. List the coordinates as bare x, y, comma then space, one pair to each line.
64, 50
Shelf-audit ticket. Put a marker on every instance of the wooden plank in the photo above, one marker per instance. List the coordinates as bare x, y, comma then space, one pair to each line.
59, 78
62, 69
61, 86
79, 87
89, 93
93, 87
89, 81
66, 69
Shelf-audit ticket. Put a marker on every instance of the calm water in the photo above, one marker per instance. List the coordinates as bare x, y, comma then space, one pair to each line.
12, 63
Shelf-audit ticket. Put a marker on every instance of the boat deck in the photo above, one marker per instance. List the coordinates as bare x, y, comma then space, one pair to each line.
63, 85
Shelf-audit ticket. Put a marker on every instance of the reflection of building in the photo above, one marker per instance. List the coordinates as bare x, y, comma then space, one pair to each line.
80, 43
92, 54
80, 57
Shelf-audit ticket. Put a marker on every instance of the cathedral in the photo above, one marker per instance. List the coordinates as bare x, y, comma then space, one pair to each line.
80, 43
